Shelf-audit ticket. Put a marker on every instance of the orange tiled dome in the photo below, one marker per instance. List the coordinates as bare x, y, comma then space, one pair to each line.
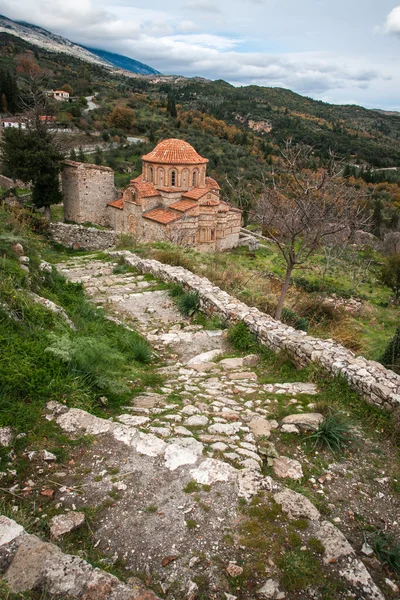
174, 152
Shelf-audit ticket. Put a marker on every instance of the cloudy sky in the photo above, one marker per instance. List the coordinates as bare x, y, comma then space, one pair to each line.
346, 51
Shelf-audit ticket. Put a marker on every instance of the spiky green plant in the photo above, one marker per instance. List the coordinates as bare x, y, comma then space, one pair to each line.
333, 433
188, 303
387, 550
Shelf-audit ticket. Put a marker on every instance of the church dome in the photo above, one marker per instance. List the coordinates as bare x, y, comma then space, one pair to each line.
174, 152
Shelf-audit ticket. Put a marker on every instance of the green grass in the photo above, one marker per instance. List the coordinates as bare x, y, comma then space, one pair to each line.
300, 570
387, 550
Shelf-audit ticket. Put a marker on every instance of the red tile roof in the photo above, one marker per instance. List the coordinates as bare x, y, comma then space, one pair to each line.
183, 205
196, 193
230, 207
162, 215
212, 184
117, 203
146, 190
174, 152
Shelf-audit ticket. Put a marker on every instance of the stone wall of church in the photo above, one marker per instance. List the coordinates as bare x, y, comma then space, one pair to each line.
86, 191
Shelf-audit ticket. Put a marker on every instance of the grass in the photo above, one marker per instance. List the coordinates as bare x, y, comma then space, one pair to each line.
188, 303
300, 570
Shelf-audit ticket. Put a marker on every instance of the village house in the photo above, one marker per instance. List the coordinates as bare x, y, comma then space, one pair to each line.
14, 122
173, 199
60, 95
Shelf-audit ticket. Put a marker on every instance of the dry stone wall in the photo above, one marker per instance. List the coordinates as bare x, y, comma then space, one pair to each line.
84, 238
377, 385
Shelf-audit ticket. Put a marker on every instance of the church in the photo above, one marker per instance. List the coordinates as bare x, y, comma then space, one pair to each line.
172, 200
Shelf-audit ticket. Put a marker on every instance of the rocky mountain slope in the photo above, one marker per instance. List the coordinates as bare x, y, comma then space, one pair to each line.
47, 40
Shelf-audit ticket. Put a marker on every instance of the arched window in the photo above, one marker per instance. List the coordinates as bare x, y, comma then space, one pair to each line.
151, 174
194, 178
173, 178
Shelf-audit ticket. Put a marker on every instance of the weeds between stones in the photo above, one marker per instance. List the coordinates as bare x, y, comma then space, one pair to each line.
387, 550
333, 433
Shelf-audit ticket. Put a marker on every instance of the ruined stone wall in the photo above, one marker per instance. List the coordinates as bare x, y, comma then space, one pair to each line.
85, 238
86, 191
377, 385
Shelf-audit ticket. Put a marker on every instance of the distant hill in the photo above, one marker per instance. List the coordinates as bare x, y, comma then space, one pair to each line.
52, 42
124, 62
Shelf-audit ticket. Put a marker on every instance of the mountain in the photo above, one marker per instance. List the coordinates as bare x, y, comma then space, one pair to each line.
52, 42
124, 62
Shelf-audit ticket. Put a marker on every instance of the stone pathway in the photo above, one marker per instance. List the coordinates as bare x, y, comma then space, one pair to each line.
205, 432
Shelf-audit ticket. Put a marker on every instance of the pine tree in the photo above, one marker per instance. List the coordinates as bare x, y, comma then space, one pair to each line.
171, 106
4, 104
72, 154
377, 217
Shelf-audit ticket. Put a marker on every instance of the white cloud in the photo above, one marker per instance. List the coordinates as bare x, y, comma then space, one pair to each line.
392, 24
187, 27
208, 6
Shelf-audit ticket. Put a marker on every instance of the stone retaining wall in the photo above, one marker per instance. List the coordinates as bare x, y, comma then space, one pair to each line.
377, 385
81, 237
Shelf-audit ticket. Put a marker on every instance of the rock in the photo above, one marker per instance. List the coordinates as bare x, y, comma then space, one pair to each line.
367, 550
251, 360
219, 447
334, 542
234, 570
205, 357
61, 524
229, 596
190, 410
305, 421
392, 585
133, 420
184, 451
6, 436
202, 367
211, 470
45, 267
24, 268
242, 375
295, 505
231, 363
9, 530
183, 431
196, 421
289, 428
24, 260
150, 401
225, 428
270, 589
260, 427
49, 456
18, 249
287, 468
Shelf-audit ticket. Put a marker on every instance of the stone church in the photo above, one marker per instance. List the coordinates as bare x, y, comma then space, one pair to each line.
172, 200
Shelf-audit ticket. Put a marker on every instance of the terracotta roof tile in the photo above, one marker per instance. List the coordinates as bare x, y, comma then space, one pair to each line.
146, 190
183, 205
162, 215
230, 207
117, 203
196, 193
174, 152
212, 184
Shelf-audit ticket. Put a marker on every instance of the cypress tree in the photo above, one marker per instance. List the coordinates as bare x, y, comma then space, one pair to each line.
391, 356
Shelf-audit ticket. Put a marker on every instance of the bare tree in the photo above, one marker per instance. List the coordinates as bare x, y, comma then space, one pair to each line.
241, 193
299, 208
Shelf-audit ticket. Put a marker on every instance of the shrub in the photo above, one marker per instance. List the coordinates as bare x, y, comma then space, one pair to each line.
241, 338
333, 433
390, 275
291, 318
